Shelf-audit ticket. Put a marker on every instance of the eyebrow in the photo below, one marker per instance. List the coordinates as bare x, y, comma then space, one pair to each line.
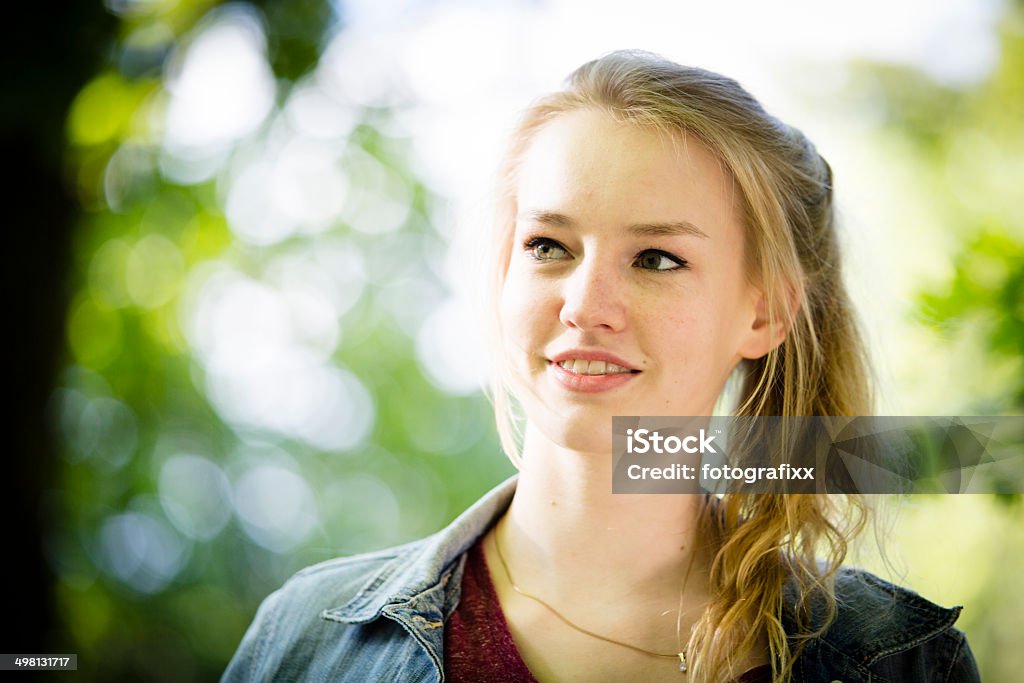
660, 229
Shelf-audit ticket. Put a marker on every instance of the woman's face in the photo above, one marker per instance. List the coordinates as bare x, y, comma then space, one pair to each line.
625, 292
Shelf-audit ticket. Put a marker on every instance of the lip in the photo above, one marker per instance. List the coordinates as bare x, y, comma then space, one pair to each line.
590, 384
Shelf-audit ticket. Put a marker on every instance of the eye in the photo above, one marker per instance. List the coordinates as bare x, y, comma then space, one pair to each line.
655, 259
544, 249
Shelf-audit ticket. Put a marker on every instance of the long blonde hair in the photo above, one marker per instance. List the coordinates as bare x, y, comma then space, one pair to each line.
819, 369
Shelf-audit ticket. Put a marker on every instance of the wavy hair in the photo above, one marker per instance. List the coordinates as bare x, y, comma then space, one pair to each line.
762, 543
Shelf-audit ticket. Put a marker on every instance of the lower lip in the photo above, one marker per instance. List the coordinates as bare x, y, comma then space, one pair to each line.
589, 384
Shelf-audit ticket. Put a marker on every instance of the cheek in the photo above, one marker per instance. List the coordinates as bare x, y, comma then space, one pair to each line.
518, 313
688, 335
527, 300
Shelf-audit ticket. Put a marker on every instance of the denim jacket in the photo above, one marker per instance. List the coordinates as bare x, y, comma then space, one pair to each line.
380, 617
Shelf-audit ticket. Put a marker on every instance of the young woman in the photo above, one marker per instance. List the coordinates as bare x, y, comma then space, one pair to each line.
658, 234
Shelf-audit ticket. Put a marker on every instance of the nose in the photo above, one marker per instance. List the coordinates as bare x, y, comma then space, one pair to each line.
593, 298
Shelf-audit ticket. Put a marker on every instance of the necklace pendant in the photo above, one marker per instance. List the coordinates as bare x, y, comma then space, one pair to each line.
682, 662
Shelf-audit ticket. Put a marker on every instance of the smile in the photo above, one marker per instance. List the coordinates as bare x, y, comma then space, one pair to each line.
585, 376
593, 367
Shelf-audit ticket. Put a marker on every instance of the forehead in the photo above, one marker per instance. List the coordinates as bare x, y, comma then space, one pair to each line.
586, 164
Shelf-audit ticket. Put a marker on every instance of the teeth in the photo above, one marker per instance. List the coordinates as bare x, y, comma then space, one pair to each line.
592, 367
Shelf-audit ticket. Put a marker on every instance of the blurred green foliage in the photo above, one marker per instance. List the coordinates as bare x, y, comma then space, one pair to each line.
965, 148
987, 289
167, 539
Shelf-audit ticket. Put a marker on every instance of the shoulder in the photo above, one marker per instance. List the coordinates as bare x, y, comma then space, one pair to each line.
352, 618
882, 631
875, 616
332, 582
335, 582
294, 635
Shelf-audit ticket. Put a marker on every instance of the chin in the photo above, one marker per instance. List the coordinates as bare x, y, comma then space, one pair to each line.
587, 433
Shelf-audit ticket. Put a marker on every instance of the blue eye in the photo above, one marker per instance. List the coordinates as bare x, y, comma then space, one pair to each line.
655, 259
544, 249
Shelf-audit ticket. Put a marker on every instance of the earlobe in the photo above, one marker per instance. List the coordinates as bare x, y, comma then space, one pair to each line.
767, 332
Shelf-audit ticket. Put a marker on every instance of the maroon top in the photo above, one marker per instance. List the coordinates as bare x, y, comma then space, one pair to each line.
478, 647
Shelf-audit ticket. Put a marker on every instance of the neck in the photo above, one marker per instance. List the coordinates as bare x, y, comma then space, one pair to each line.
568, 536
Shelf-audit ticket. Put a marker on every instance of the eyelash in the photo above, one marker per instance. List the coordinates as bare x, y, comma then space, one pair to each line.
533, 242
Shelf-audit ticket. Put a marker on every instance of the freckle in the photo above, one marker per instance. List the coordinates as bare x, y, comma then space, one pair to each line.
553, 504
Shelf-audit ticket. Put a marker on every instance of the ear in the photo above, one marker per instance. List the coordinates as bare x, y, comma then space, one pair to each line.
767, 332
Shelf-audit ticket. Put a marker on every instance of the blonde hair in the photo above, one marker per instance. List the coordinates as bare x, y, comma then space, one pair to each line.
819, 369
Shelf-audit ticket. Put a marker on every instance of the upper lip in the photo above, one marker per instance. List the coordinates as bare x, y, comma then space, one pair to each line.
592, 354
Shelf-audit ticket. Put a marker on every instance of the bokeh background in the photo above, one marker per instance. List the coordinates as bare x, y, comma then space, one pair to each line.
242, 333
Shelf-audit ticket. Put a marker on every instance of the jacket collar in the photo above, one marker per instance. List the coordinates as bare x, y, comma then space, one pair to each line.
420, 569
874, 619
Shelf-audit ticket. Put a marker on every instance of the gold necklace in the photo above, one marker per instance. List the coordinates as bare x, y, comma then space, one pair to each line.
565, 620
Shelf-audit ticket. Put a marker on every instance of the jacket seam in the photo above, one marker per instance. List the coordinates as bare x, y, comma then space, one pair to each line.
909, 645
341, 562
858, 665
959, 641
